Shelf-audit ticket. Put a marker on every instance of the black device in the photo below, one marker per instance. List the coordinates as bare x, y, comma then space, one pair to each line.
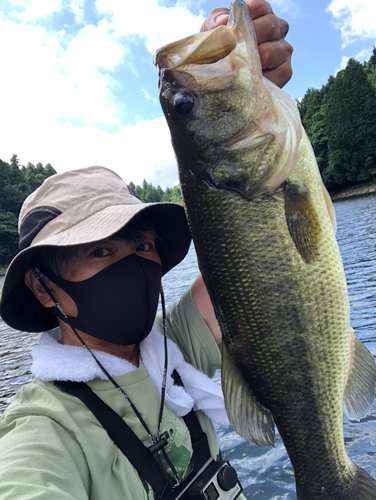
217, 480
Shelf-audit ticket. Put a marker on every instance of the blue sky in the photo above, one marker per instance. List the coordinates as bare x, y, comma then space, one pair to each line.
79, 88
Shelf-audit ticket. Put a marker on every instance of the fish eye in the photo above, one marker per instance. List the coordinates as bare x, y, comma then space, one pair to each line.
183, 102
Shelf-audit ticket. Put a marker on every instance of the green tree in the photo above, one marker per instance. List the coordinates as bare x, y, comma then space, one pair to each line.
49, 170
39, 168
319, 140
176, 195
372, 60
372, 76
16, 182
151, 194
351, 126
138, 190
167, 195
309, 106
371, 67
8, 237
15, 172
160, 193
30, 177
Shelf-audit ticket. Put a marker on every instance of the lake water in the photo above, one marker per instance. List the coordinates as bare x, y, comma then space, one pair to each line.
266, 473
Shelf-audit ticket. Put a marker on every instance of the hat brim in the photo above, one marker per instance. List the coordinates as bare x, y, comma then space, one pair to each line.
21, 310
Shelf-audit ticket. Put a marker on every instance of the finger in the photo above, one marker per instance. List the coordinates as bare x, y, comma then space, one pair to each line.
269, 28
258, 8
281, 75
276, 61
217, 17
274, 54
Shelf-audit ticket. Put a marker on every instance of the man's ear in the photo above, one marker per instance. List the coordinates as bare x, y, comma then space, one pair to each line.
37, 289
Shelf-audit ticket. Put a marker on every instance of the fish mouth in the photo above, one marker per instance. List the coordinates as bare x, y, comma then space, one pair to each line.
213, 56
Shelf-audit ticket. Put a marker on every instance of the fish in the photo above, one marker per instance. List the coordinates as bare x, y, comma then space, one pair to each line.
263, 227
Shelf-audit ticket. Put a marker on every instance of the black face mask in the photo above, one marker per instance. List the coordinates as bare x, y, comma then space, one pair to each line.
119, 303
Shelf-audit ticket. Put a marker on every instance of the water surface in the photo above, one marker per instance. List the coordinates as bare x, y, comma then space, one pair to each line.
266, 473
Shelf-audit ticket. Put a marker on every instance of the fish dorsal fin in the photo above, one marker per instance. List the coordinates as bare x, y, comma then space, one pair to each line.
249, 419
302, 220
361, 385
329, 206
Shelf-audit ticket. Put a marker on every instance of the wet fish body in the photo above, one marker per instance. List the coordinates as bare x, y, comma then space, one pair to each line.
262, 223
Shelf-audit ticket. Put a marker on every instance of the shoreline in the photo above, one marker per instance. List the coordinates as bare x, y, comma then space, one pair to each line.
353, 192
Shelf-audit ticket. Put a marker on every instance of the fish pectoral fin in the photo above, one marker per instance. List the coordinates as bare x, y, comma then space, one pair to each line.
302, 220
361, 385
248, 418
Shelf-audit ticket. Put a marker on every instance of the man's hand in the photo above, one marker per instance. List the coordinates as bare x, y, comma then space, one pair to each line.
275, 52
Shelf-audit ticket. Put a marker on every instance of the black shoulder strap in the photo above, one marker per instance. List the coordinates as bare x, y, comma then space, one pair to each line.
127, 441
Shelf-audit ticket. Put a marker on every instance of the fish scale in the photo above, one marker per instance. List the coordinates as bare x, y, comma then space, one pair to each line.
262, 224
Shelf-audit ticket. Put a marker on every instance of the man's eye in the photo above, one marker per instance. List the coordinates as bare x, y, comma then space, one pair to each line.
100, 252
144, 247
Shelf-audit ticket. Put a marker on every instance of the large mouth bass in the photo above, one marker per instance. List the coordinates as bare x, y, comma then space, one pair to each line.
263, 227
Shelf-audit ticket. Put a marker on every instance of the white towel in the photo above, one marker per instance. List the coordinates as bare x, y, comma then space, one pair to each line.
54, 361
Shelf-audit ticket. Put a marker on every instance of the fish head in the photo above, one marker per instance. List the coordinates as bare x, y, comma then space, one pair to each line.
220, 109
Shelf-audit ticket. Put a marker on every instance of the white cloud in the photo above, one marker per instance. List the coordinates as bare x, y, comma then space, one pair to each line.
146, 94
355, 19
158, 25
77, 7
36, 9
48, 83
363, 55
286, 7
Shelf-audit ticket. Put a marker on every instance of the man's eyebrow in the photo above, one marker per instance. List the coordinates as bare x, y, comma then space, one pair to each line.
93, 243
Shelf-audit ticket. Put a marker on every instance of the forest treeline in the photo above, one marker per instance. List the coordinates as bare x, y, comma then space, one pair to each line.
16, 183
340, 120
151, 194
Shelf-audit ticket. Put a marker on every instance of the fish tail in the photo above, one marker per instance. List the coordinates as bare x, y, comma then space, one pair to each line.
364, 487
361, 487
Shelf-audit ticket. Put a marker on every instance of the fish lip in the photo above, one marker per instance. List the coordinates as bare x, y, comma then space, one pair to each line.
166, 58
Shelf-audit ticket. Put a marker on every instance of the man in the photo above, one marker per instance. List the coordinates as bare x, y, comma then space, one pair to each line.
89, 268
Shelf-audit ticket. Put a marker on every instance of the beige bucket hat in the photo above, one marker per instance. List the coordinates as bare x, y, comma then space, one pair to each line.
79, 207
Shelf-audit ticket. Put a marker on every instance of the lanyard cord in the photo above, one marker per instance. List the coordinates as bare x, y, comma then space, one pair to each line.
103, 369
163, 391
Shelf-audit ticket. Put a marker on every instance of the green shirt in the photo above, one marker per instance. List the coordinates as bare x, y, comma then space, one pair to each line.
52, 446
